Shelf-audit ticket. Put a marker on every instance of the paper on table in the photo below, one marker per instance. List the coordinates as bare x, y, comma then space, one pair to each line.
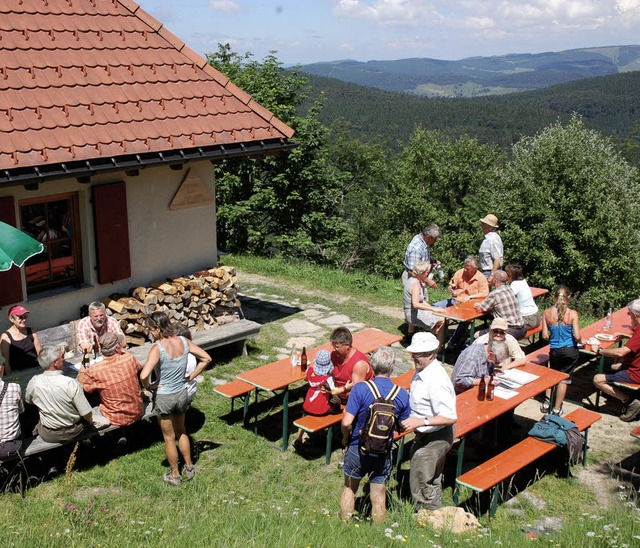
504, 393
518, 377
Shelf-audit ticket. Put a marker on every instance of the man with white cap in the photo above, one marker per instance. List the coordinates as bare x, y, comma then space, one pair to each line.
491, 249
433, 414
480, 359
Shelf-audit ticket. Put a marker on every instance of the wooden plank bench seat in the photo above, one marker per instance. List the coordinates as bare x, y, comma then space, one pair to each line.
35, 445
540, 356
491, 473
314, 425
237, 389
531, 333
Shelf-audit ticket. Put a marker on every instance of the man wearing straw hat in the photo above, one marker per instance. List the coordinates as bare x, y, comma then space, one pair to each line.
491, 250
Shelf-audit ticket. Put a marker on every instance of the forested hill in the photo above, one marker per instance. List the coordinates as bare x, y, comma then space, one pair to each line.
610, 104
480, 76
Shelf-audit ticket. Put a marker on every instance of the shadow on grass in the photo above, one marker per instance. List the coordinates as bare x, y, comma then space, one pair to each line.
264, 311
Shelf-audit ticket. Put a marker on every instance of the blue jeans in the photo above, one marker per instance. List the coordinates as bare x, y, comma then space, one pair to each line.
444, 303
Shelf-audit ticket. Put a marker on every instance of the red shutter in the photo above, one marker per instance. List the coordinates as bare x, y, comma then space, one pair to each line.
10, 280
111, 225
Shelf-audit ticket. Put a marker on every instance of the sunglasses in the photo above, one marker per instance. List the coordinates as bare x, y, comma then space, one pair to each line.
23, 317
498, 332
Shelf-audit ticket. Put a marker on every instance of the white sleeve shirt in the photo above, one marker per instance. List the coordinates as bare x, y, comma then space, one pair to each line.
432, 394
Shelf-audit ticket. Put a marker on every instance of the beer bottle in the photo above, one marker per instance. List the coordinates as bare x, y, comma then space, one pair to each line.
96, 349
490, 389
303, 359
86, 359
482, 388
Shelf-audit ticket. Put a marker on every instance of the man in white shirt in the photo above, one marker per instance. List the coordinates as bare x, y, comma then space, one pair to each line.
433, 414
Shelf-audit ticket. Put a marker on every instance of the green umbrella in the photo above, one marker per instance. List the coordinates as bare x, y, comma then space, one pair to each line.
16, 246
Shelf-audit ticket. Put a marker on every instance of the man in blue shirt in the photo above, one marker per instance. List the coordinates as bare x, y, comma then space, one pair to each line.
357, 464
419, 250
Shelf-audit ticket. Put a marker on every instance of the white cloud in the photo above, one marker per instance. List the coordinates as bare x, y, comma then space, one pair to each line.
225, 6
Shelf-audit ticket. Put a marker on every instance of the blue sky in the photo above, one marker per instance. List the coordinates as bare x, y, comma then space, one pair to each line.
306, 31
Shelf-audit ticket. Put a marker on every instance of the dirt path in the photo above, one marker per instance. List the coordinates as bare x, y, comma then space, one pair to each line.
609, 438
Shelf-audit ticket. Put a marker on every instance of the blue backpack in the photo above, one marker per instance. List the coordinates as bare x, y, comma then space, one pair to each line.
561, 432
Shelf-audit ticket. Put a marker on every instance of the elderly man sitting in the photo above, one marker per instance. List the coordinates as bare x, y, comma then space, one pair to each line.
97, 323
477, 360
503, 303
116, 380
63, 408
497, 333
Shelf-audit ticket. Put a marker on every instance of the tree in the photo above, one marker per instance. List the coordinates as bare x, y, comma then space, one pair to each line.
569, 210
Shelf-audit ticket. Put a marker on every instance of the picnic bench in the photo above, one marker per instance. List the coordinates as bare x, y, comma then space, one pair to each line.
35, 445
636, 432
490, 474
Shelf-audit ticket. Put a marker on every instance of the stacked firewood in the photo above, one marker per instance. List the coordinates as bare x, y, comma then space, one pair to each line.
199, 301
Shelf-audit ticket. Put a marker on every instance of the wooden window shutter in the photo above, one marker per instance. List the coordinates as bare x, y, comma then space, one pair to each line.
10, 280
111, 225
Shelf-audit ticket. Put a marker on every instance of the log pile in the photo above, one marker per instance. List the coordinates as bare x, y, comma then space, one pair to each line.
199, 301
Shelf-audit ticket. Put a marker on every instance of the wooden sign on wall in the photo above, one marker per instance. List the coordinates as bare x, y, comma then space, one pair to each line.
192, 193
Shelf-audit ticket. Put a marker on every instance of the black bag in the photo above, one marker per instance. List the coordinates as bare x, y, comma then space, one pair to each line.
561, 432
376, 436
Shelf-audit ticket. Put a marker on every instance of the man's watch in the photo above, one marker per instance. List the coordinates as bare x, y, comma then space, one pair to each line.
426, 421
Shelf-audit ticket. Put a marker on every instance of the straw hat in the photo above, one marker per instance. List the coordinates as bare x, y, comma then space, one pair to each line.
490, 220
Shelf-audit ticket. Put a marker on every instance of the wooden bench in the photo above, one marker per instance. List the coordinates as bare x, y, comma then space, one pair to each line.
540, 356
35, 445
237, 389
314, 425
491, 473
531, 333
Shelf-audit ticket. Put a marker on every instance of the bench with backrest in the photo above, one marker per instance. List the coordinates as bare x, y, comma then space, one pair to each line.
490, 474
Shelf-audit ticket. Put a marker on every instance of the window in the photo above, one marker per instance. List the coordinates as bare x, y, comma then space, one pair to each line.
54, 221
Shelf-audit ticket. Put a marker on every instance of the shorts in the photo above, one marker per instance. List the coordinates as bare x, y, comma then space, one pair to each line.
357, 465
565, 360
175, 403
619, 376
10, 448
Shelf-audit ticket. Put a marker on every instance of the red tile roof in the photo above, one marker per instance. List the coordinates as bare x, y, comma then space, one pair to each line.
85, 79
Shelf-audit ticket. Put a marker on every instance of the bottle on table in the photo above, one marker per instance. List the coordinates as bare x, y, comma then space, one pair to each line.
96, 349
86, 359
482, 389
294, 356
303, 359
490, 388
607, 323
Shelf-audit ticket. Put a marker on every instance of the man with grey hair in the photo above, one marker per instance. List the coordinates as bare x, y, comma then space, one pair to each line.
626, 367
116, 380
480, 359
93, 326
503, 303
419, 250
356, 463
62, 405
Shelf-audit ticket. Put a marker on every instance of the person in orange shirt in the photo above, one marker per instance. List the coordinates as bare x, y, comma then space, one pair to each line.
467, 283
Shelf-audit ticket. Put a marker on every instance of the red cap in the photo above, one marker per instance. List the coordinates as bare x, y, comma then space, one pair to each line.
18, 310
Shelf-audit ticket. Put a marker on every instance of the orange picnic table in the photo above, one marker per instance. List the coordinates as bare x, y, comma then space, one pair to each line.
467, 312
473, 414
279, 375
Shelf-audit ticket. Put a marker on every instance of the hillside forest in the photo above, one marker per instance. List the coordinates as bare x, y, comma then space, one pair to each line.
566, 195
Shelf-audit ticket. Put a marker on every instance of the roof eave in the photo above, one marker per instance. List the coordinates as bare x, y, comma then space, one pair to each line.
85, 169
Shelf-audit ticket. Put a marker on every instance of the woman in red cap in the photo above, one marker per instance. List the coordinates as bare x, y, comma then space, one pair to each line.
20, 345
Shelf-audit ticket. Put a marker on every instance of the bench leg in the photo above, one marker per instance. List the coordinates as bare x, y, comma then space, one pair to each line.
495, 496
285, 419
399, 457
585, 439
327, 450
245, 353
456, 488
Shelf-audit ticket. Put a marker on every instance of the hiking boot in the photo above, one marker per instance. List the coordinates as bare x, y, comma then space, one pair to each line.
170, 480
189, 472
632, 411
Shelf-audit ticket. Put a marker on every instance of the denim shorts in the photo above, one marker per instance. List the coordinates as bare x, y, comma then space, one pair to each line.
357, 465
621, 375
172, 404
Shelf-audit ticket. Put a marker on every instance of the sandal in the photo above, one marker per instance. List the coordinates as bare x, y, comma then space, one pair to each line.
170, 480
189, 472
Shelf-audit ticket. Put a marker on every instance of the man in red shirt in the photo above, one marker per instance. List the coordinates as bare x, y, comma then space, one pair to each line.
625, 369
116, 380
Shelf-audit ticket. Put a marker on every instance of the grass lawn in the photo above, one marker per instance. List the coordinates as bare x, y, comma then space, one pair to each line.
249, 493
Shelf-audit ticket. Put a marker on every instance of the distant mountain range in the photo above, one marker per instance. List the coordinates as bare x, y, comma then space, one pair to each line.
480, 76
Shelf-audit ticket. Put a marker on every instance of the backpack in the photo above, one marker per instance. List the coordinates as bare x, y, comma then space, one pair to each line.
376, 436
561, 432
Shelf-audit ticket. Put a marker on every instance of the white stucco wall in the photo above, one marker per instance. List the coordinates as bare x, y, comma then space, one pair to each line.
162, 243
